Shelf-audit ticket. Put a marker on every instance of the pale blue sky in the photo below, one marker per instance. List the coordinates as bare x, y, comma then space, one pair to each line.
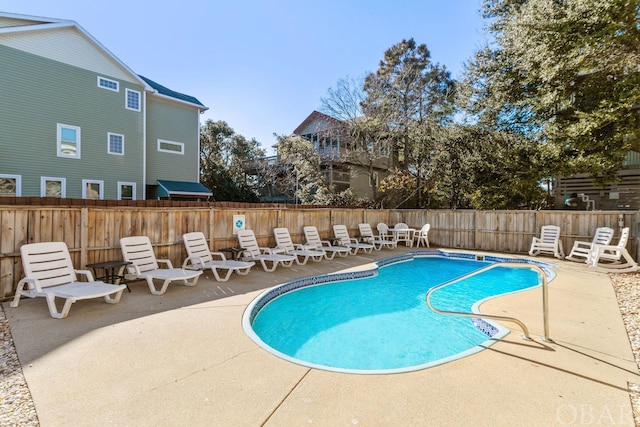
262, 66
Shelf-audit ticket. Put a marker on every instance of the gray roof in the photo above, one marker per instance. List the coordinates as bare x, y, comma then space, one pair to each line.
172, 93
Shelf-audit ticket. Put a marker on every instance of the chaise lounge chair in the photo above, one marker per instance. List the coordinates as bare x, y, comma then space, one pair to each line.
607, 258
302, 253
253, 252
548, 243
138, 251
582, 250
199, 257
49, 273
314, 241
366, 233
341, 233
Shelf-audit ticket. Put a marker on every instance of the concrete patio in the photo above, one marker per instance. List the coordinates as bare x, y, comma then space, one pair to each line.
183, 359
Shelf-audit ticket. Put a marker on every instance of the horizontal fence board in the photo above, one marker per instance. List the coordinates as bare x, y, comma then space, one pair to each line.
93, 233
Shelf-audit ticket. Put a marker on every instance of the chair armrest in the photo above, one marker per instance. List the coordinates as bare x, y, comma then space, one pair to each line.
87, 274
165, 261
219, 254
193, 261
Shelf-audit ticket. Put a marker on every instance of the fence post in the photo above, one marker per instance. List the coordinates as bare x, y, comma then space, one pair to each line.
212, 217
84, 236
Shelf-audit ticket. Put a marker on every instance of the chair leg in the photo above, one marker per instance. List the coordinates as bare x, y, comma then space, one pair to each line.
152, 287
116, 297
217, 276
53, 310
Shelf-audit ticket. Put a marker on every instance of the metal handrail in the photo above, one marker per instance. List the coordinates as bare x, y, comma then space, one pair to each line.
545, 299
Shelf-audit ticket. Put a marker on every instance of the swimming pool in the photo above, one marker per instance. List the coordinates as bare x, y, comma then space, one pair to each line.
381, 323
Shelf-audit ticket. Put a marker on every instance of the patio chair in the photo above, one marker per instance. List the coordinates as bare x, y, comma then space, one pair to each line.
49, 273
199, 257
301, 252
144, 265
342, 234
253, 252
608, 258
313, 241
422, 236
581, 250
366, 234
403, 233
384, 233
548, 243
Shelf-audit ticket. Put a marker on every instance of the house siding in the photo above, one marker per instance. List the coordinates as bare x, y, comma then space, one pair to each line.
37, 94
71, 47
172, 121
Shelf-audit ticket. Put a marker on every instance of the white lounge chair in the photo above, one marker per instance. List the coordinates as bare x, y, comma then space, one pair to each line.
199, 257
581, 250
548, 243
422, 236
144, 265
403, 233
341, 233
608, 258
49, 273
378, 242
301, 252
314, 241
253, 252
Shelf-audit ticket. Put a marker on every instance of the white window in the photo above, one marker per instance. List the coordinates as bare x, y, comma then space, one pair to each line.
115, 143
108, 84
92, 189
68, 141
126, 190
170, 147
10, 185
53, 187
132, 100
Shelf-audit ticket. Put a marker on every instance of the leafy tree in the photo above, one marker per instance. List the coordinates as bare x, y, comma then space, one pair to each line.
298, 168
565, 74
407, 99
222, 156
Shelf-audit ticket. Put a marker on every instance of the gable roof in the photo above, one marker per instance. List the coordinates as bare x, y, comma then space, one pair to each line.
317, 116
15, 24
12, 23
162, 90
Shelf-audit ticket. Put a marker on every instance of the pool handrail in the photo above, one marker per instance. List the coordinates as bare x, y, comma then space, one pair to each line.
525, 330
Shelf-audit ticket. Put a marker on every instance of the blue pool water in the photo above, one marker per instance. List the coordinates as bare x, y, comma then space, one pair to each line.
382, 324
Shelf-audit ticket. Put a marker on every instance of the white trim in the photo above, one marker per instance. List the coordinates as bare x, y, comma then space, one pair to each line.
126, 99
109, 134
162, 150
85, 182
18, 179
117, 84
144, 147
59, 152
133, 189
43, 185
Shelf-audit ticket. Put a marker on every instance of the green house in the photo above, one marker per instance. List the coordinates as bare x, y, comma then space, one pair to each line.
76, 122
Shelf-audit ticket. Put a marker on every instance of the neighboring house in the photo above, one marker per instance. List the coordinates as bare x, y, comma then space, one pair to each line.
78, 123
623, 194
341, 167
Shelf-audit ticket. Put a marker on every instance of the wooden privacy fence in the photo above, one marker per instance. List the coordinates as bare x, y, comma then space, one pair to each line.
93, 233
